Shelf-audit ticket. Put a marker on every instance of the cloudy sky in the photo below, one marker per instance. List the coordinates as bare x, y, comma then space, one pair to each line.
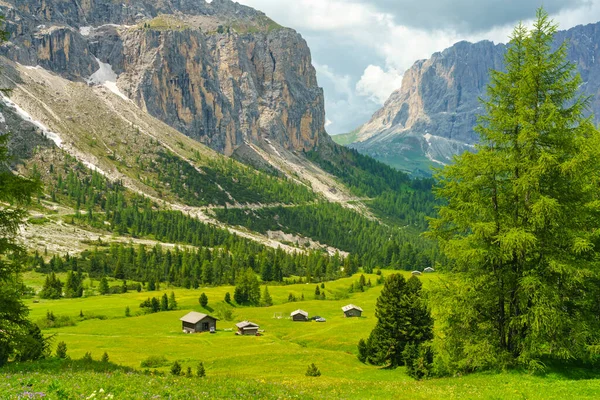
361, 48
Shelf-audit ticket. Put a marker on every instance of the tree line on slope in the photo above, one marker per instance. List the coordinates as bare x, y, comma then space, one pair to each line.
371, 243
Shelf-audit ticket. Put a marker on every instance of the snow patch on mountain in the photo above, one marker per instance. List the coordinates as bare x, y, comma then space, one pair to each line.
27, 117
106, 76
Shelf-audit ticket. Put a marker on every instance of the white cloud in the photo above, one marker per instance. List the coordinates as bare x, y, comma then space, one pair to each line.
377, 84
360, 47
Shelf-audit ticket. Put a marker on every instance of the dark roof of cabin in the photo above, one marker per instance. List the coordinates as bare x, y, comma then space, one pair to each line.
350, 307
193, 317
246, 324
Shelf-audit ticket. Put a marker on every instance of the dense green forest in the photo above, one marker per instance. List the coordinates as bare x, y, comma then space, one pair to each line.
215, 182
226, 181
191, 267
374, 244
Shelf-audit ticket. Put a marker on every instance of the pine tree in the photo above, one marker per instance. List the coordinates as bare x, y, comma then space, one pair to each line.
363, 351
227, 298
200, 371
266, 297
103, 286
312, 370
127, 311
164, 303
521, 219
402, 318
105, 357
176, 369
14, 192
172, 301
203, 300
61, 350
247, 289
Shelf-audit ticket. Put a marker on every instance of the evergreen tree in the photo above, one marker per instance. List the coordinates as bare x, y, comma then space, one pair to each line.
32, 345
312, 370
402, 319
247, 290
200, 371
176, 369
363, 351
317, 292
155, 304
266, 297
172, 301
521, 219
127, 312
105, 357
14, 192
103, 286
61, 350
227, 298
203, 300
164, 303
52, 288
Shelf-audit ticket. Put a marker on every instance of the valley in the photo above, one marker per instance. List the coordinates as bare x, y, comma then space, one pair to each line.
165, 157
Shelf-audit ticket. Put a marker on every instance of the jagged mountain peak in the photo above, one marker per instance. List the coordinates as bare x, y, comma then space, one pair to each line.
431, 116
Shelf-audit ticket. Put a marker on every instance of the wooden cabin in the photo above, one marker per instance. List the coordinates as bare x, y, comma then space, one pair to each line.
299, 315
416, 273
247, 328
352, 311
194, 322
429, 269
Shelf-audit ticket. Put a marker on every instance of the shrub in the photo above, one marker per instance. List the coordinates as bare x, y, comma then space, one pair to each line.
227, 298
104, 358
87, 357
61, 350
154, 362
312, 370
176, 369
189, 372
127, 312
52, 321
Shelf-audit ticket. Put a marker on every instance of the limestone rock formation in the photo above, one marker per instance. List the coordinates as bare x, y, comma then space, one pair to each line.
431, 116
219, 72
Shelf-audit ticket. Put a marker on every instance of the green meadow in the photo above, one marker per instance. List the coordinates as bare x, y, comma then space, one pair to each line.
268, 366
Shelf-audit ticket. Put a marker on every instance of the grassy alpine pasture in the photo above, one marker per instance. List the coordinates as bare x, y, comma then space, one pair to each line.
269, 366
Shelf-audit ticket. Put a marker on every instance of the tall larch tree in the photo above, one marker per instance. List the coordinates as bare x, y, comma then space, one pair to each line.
521, 219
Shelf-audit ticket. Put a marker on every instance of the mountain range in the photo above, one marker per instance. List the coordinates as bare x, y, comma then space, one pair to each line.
209, 109
430, 118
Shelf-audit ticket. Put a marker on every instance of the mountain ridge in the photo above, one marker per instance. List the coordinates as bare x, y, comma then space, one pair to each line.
430, 118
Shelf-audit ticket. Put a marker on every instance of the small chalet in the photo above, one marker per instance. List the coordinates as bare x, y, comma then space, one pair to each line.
299, 315
247, 328
429, 269
194, 322
352, 311
416, 273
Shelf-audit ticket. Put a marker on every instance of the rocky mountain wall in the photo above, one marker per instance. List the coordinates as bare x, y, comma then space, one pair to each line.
219, 72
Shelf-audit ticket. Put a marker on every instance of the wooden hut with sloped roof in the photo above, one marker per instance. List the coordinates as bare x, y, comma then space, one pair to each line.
194, 322
247, 328
352, 311
299, 315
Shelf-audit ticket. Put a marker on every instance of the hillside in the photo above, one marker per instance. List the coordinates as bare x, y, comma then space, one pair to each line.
431, 116
86, 132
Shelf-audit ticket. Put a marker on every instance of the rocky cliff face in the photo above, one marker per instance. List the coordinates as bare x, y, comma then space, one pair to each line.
431, 117
219, 72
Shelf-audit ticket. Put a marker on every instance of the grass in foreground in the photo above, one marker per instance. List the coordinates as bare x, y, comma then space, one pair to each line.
269, 366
